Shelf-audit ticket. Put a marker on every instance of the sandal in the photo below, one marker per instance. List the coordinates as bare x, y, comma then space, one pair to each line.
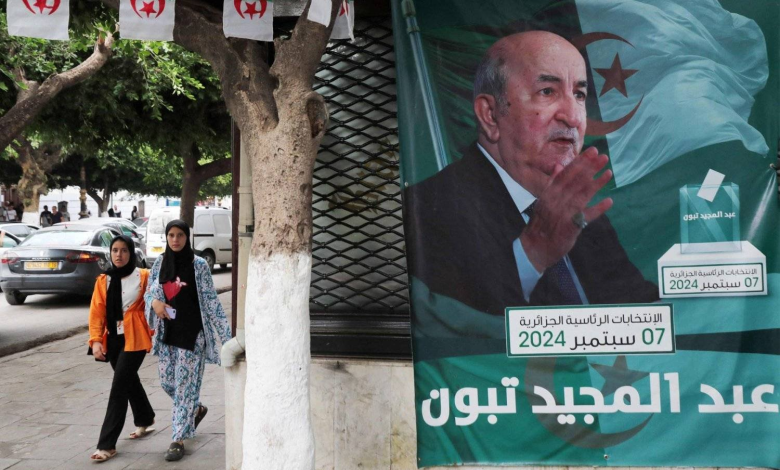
202, 410
175, 452
142, 431
102, 455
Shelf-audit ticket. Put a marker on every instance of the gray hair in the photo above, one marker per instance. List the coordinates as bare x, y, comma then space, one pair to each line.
490, 78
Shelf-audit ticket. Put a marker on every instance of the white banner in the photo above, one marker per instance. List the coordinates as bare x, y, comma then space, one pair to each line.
46, 19
319, 12
345, 22
248, 19
150, 21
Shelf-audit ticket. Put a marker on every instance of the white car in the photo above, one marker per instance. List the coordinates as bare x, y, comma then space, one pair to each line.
211, 236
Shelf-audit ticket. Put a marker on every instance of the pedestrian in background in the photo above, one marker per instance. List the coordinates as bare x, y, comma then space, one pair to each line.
134, 213
119, 334
117, 212
11, 212
190, 326
45, 218
56, 216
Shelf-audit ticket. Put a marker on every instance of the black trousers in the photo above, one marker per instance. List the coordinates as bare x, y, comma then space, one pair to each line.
126, 387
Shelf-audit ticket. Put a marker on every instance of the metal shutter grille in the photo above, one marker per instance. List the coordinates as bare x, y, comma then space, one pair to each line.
359, 265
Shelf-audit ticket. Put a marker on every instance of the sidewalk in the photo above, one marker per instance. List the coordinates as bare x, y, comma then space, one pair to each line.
53, 399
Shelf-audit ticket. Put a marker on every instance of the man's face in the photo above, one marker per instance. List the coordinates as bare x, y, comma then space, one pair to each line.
544, 122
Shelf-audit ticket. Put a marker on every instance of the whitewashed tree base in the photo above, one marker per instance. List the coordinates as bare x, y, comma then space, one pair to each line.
277, 417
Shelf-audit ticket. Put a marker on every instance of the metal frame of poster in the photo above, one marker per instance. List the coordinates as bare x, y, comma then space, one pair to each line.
610, 307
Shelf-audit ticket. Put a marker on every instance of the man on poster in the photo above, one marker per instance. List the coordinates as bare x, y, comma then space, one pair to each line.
511, 223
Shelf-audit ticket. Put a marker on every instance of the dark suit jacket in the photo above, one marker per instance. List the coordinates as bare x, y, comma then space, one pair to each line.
461, 224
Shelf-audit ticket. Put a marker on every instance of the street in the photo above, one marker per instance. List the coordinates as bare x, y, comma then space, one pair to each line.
43, 318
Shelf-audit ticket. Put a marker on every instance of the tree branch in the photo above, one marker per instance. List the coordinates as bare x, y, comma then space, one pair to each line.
297, 59
215, 168
31, 102
240, 64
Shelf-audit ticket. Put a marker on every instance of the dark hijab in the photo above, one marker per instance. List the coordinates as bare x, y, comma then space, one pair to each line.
114, 312
177, 264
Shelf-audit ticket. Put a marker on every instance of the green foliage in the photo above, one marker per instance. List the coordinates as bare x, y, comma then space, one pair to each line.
127, 123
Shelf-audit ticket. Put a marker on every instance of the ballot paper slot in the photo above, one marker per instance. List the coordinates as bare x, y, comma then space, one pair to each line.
590, 330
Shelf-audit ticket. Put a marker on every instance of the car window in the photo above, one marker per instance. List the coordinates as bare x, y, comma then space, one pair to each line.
222, 221
157, 224
58, 237
127, 231
105, 238
204, 224
18, 230
6, 242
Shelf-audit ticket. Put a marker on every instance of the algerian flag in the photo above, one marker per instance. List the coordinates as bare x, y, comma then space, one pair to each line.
46, 19
319, 12
345, 21
148, 20
248, 19
673, 76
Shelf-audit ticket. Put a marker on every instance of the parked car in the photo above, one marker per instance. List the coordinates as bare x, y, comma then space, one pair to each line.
140, 221
120, 225
8, 241
19, 229
211, 236
56, 260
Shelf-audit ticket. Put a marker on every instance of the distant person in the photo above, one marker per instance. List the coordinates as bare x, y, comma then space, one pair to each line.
56, 216
119, 334
3, 212
19, 211
189, 324
45, 218
11, 213
65, 214
117, 212
111, 212
134, 213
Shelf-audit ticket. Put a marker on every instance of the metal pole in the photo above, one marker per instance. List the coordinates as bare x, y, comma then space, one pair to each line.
407, 7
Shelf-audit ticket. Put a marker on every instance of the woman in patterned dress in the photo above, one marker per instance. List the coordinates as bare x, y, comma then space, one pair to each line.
190, 326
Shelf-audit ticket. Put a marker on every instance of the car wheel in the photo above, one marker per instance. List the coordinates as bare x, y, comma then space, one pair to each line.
14, 297
209, 257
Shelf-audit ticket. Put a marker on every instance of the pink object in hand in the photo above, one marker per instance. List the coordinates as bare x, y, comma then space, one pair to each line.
172, 288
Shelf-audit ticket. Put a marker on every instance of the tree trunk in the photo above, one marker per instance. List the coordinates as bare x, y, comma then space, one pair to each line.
35, 163
194, 175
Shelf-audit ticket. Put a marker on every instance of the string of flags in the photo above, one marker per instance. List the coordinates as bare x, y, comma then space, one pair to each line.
153, 20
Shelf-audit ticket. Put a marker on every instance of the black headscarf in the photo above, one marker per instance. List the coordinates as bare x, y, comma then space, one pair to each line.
114, 311
177, 264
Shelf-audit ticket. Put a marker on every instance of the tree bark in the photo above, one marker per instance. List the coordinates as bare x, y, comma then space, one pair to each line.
30, 102
194, 175
35, 163
102, 201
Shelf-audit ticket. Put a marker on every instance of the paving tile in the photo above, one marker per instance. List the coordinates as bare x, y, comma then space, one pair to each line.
8, 463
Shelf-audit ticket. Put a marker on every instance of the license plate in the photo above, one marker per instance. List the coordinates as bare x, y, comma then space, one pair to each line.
40, 265
157, 249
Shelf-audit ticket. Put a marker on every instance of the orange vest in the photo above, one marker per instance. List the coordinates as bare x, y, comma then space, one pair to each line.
138, 336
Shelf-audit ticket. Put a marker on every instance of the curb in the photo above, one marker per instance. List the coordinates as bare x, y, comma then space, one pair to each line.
24, 346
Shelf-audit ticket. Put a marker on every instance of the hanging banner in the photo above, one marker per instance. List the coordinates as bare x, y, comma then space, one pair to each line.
46, 19
591, 224
249, 20
319, 12
150, 21
344, 26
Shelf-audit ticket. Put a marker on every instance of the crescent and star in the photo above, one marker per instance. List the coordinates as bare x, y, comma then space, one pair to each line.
42, 5
614, 78
251, 8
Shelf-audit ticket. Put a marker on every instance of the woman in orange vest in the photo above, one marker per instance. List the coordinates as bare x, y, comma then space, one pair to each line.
119, 334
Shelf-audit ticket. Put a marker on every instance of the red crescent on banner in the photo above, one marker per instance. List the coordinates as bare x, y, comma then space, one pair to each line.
161, 9
344, 8
132, 5
596, 127
27, 4
237, 5
605, 127
263, 6
55, 6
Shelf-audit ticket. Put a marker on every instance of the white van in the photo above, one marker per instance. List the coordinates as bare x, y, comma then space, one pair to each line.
211, 236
